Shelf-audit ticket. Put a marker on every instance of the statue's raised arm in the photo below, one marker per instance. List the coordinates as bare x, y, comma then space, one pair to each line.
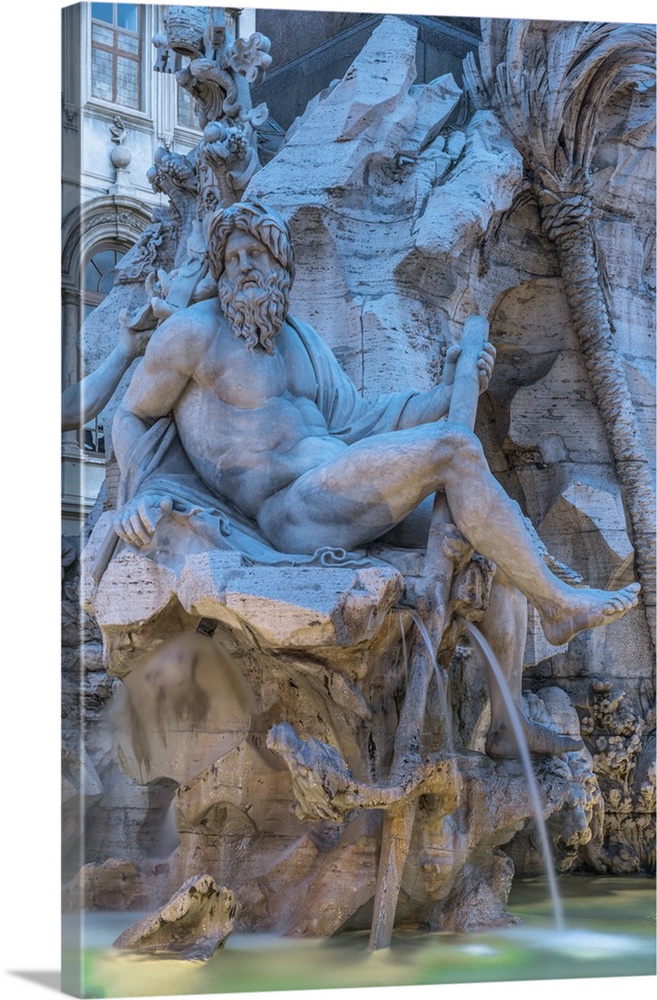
85, 399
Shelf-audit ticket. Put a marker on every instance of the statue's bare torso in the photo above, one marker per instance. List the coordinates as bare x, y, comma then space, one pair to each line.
247, 419
250, 426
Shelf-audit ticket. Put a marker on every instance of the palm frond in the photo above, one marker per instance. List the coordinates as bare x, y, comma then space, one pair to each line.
549, 83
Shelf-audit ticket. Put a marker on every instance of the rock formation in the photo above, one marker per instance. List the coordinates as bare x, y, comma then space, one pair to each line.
287, 704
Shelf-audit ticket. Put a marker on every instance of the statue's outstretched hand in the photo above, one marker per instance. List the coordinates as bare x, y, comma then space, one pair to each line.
137, 522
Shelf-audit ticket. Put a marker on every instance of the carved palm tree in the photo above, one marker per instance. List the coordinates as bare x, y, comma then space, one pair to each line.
549, 82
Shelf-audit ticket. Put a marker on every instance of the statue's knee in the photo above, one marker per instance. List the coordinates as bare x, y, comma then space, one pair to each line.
464, 445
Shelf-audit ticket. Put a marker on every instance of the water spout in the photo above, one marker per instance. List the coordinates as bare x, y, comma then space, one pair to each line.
516, 725
445, 706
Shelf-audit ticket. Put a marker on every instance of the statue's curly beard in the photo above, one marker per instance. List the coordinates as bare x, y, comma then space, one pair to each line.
256, 311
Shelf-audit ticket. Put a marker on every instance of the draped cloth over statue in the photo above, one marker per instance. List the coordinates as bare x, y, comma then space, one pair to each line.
200, 519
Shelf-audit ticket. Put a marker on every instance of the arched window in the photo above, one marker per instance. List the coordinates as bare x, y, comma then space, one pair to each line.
97, 281
98, 277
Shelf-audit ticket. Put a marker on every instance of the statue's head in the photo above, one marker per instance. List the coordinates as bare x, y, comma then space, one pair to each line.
252, 261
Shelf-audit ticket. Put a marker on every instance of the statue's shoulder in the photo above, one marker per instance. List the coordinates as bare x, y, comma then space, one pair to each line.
197, 322
201, 315
184, 337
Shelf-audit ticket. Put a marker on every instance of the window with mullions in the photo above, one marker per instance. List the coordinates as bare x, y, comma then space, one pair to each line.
116, 53
186, 115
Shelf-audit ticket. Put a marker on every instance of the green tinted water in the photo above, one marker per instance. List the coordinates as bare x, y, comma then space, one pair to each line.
610, 931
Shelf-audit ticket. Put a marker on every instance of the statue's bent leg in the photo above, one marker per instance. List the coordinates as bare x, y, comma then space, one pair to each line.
489, 520
358, 496
375, 483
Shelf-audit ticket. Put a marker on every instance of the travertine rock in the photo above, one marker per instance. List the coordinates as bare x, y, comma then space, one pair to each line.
295, 606
368, 114
537, 648
576, 822
592, 69
180, 708
620, 732
478, 900
192, 925
113, 885
481, 185
585, 528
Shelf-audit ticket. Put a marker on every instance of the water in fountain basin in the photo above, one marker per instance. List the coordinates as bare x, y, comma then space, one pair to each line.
516, 725
612, 934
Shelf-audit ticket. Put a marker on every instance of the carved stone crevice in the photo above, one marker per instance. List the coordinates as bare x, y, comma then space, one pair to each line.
620, 734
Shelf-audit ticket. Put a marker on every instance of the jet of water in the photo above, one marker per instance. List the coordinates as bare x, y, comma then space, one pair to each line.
516, 725
445, 706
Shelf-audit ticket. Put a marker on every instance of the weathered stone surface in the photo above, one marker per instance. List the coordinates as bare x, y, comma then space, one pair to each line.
537, 648
478, 900
621, 736
451, 879
575, 823
230, 781
561, 165
562, 400
585, 528
435, 103
463, 880
147, 593
480, 185
621, 648
180, 707
192, 925
368, 113
113, 885
295, 606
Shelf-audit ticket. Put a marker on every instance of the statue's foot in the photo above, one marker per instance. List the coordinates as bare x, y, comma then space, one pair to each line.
541, 741
587, 609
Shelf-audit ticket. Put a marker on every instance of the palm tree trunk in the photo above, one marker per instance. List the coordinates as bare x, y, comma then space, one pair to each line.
566, 221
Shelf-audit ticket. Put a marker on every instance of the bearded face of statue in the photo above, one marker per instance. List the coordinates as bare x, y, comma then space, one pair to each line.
253, 291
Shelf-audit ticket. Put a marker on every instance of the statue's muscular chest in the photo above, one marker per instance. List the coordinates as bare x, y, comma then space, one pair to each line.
238, 377
248, 380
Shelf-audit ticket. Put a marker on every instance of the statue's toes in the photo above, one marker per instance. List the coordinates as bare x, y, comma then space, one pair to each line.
622, 600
